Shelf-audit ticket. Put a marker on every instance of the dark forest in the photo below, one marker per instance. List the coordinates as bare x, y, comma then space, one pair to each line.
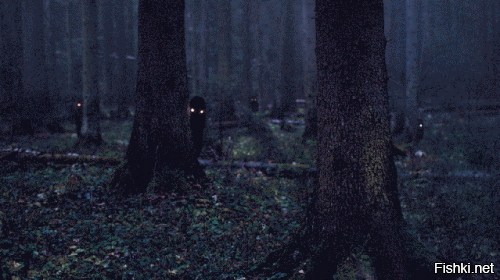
249, 139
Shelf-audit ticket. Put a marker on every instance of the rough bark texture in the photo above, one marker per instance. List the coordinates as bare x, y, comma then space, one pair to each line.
160, 138
356, 204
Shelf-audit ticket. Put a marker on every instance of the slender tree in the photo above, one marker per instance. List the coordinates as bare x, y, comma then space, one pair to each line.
412, 63
120, 73
202, 75
160, 142
108, 46
11, 61
309, 70
224, 54
288, 83
396, 55
51, 62
247, 50
91, 130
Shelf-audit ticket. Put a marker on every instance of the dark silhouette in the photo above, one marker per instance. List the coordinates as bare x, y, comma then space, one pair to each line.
77, 116
23, 126
311, 129
197, 120
254, 104
55, 127
403, 134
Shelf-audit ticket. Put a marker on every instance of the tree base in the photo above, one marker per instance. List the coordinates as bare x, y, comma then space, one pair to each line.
306, 257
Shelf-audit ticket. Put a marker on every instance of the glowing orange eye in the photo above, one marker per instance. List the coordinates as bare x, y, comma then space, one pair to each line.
201, 111
192, 110
79, 104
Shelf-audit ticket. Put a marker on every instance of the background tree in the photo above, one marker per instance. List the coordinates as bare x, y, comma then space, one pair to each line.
412, 62
52, 70
121, 78
37, 106
288, 86
11, 62
247, 51
73, 62
160, 131
309, 68
91, 130
224, 61
108, 47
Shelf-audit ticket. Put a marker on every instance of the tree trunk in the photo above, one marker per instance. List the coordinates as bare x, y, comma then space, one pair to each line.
412, 63
11, 53
37, 104
395, 57
52, 79
120, 81
224, 48
356, 204
288, 84
108, 45
130, 50
309, 62
91, 131
159, 141
202, 74
247, 52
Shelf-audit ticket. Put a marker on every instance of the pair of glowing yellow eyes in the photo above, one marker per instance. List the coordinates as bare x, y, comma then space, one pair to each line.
193, 110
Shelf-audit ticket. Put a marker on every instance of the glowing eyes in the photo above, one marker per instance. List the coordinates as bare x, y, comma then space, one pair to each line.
79, 104
193, 110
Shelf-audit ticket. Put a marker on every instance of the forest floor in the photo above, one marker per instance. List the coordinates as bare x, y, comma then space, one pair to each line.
57, 222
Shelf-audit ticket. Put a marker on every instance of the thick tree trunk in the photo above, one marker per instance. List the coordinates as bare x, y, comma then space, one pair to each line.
160, 141
356, 204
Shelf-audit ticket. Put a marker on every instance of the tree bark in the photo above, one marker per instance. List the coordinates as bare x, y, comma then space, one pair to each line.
247, 52
120, 74
412, 63
356, 204
224, 48
108, 46
91, 130
37, 104
11, 51
288, 85
160, 142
